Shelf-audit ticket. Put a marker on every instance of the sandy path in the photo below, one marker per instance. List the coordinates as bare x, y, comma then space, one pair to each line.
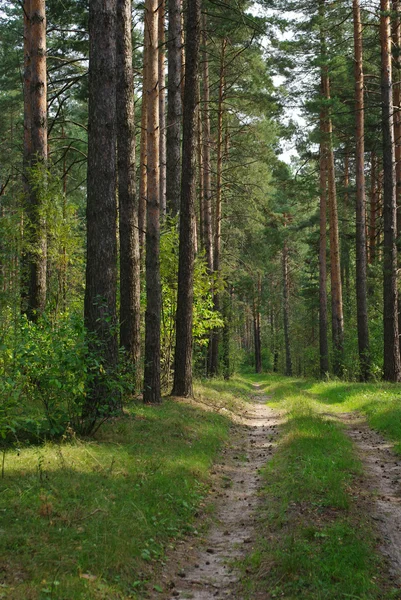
207, 571
383, 470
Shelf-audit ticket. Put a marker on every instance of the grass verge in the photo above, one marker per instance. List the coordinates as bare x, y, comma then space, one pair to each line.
91, 519
317, 542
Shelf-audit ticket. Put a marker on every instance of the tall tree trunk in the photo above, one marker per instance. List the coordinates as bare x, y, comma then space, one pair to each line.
345, 270
174, 107
323, 343
143, 158
201, 234
397, 128
27, 151
214, 342
128, 207
361, 260
101, 211
183, 347
374, 191
335, 272
207, 168
36, 219
286, 311
162, 105
152, 390
392, 365
397, 106
335, 268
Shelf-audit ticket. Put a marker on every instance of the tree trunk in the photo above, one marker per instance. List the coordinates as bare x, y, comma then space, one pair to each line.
397, 129
101, 212
143, 159
323, 343
345, 270
162, 105
36, 219
335, 272
286, 311
27, 151
128, 208
256, 326
397, 104
207, 169
373, 207
183, 347
392, 365
361, 260
214, 342
174, 108
335, 264
152, 390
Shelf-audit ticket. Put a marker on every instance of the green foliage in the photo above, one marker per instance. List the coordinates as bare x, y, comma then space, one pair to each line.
205, 318
46, 370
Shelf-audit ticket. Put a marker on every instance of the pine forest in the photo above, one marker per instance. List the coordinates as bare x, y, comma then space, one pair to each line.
200, 299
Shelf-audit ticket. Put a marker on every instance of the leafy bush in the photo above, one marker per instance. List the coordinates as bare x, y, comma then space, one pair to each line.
45, 372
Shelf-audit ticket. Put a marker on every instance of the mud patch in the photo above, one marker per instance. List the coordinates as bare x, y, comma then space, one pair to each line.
383, 469
207, 572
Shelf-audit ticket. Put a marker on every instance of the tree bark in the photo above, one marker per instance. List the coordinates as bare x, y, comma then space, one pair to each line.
207, 169
335, 264
101, 212
183, 347
174, 108
27, 151
323, 343
256, 326
214, 342
37, 237
335, 270
128, 207
286, 311
396, 34
162, 105
152, 388
392, 365
361, 259
373, 207
143, 169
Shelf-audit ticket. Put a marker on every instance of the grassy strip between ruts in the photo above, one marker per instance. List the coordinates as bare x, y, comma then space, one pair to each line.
91, 519
317, 542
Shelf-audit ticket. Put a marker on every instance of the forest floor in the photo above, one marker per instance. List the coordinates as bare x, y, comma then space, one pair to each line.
261, 487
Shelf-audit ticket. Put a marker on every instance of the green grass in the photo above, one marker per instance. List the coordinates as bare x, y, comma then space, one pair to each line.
380, 403
91, 519
317, 542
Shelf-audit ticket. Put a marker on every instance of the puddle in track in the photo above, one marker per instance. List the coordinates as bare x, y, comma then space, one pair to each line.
383, 470
206, 572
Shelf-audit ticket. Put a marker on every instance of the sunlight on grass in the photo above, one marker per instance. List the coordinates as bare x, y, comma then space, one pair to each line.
86, 519
316, 543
